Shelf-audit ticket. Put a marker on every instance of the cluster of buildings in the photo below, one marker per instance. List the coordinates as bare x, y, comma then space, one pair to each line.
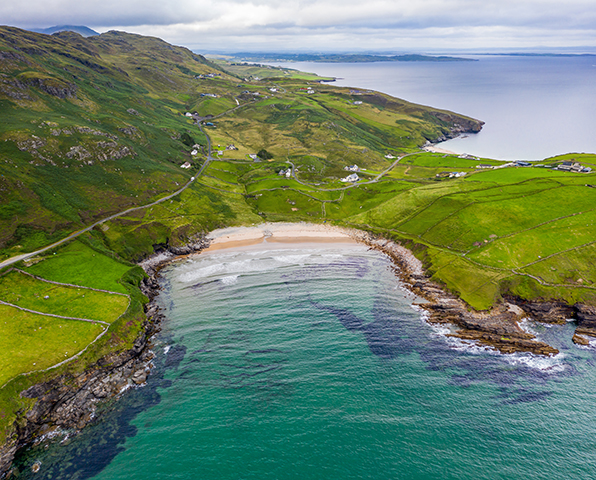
450, 174
353, 168
567, 166
287, 173
467, 156
573, 167
517, 163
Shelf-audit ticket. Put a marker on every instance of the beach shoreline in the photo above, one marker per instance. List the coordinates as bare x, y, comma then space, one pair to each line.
287, 233
434, 149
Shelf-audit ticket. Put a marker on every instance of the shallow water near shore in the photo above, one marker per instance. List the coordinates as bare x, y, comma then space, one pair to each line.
309, 361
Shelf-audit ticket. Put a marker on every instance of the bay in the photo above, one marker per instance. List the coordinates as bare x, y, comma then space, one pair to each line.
311, 361
534, 107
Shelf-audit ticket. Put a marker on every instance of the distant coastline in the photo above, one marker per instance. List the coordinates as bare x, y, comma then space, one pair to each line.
343, 58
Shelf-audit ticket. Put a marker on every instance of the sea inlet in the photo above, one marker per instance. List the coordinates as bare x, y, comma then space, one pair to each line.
310, 360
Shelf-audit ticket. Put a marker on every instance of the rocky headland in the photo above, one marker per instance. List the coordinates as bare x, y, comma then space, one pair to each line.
501, 327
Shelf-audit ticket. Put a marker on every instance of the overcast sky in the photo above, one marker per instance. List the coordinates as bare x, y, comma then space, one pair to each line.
327, 25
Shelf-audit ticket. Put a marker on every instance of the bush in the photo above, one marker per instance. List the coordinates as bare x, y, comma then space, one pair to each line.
187, 140
264, 154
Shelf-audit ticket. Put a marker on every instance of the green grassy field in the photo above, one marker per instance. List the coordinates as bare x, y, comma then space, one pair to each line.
27, 292
30, 342
79, 264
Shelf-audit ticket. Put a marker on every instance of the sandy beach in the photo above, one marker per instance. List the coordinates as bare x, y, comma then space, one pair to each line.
234, 237
434, 149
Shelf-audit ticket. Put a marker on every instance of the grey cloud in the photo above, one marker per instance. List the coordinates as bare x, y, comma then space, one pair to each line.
310, 21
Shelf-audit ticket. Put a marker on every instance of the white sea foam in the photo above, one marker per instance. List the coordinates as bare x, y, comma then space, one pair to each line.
292, 259
550, 364
526, 325
226, 264
424, 315
230, 280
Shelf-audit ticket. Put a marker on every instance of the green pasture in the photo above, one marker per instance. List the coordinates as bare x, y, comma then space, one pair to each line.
575, 267
529, 246
28, 292
78, 264
520, 174
31, 342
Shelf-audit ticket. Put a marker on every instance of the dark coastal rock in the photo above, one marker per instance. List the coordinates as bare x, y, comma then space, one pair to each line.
498, 328
585, 315
581, 339
546, 312
69, 402
507, 344
457, 125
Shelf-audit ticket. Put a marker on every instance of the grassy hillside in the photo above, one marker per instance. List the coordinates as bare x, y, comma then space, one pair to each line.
93, 125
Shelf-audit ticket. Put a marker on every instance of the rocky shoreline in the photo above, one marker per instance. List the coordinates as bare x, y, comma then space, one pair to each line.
67, 403
499, 328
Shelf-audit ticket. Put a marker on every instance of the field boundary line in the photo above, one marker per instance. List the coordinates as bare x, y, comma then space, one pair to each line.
68, 284
2, 302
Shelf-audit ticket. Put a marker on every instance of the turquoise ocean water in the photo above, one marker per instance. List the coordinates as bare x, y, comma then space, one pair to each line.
307, 361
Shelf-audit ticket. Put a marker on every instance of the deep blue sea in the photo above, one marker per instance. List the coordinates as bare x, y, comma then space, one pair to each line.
304, 361
534, 107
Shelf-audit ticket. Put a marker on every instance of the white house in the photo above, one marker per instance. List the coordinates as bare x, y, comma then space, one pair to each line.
353, 168
185, 165
351, 178
188, 114
194, 152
